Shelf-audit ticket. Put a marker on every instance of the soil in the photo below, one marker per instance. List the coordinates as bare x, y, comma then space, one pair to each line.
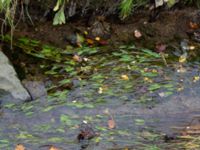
170, 27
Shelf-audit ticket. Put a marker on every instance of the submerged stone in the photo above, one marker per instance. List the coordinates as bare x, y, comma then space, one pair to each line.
36, 89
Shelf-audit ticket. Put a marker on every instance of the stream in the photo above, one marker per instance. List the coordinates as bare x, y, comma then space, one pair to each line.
147, 100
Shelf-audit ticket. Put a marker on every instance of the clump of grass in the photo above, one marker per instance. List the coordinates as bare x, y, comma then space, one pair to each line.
128, 6
8, 8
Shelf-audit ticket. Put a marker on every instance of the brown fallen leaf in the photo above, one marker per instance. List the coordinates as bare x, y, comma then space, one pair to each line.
77, 58
90, 41
20, 147
111, 123
193, 25
53, 148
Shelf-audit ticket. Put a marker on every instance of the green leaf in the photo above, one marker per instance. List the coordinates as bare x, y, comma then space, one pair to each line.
59, 17
66, 120
171, 3
154, 86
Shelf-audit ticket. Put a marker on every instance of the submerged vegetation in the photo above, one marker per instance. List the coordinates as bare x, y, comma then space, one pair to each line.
121, 96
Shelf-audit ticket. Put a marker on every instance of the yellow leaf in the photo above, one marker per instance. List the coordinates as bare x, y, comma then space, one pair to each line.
97, 38
124, 77
100, 91
182, 58
196, 78
191, 47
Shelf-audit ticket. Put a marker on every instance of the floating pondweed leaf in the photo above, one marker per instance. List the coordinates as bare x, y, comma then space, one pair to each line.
154, 147
56, 139
154, 86
150, 53
29, 113
87, 51
25, 135
126, 58
97, 76
42, 127
139, 122
48, 108
60, 130
123, 132
61, 95
64, 82
10, 105
4, 141
101, 128
165, 94
116, 54
149, 74
80, 105
65, 119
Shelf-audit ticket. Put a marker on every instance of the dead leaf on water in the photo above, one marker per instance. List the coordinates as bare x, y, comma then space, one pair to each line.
196, 78
53, 148
111, 123
20, 147
124, 77
100, 91
183, 58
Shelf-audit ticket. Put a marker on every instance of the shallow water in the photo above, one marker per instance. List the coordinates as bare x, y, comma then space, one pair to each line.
152, 102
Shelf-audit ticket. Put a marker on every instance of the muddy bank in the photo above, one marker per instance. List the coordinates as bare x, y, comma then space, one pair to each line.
170, 27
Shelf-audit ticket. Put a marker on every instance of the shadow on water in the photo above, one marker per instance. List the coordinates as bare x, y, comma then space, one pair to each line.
147, 102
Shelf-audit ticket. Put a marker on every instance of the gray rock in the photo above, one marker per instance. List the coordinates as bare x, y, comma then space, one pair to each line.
9, 83
36, 89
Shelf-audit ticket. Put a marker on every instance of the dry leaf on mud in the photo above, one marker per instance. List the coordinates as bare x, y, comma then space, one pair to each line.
137, 34
111, 123
20, 147
193, 25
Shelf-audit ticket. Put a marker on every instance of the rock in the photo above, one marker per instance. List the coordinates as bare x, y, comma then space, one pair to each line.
36, 89
9, 83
